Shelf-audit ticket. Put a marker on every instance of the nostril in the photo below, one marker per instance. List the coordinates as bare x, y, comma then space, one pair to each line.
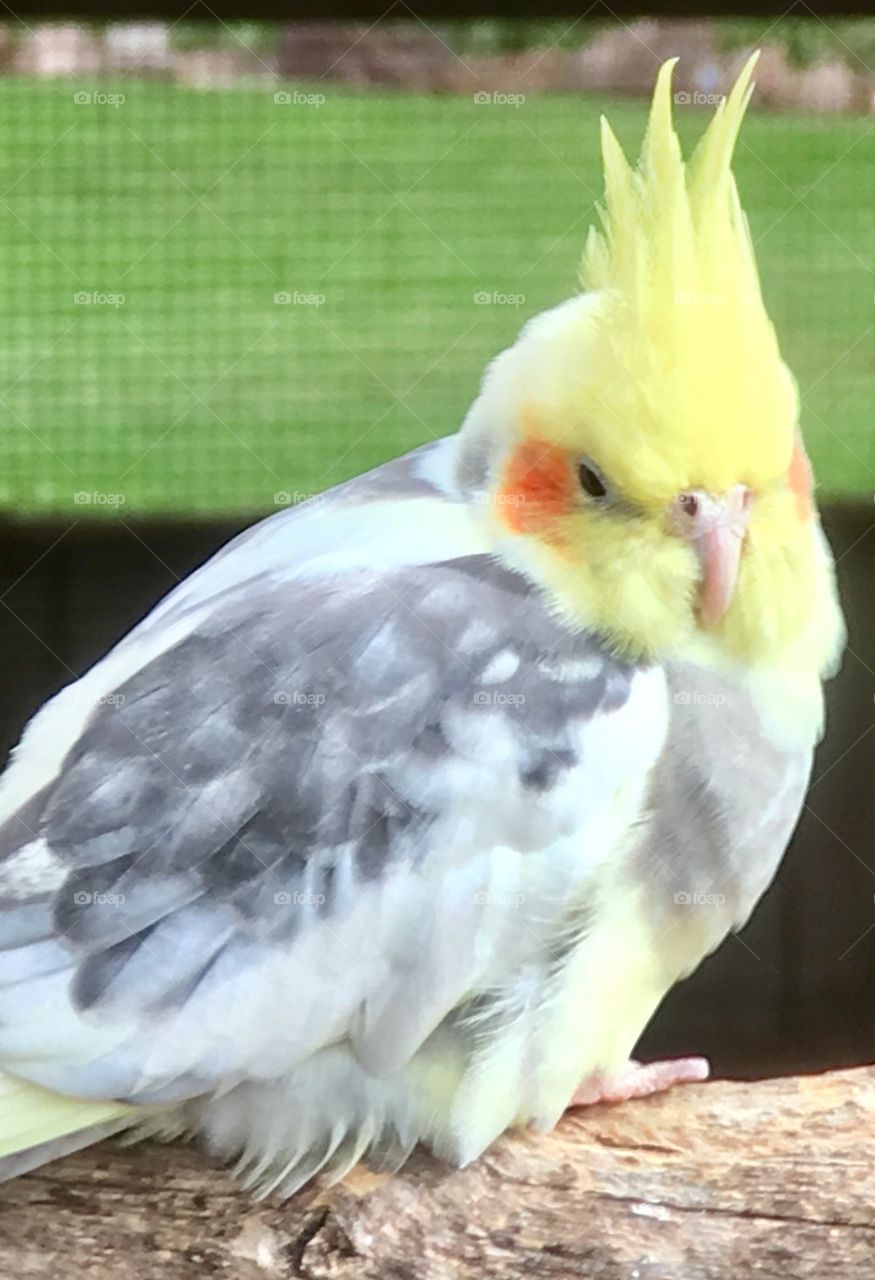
689, 504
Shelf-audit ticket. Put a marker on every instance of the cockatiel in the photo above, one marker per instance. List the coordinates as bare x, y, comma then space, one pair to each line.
397, 820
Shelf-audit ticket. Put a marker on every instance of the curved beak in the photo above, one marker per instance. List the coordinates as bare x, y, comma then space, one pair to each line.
715, 526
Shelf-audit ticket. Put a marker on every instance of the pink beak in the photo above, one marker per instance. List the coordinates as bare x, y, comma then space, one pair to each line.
716, 528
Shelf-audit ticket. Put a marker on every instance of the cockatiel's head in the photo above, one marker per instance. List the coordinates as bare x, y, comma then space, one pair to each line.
639, 445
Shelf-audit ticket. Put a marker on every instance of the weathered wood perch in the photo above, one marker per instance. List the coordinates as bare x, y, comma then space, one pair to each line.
722, 1181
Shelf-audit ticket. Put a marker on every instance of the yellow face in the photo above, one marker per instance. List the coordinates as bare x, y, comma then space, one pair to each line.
606, 529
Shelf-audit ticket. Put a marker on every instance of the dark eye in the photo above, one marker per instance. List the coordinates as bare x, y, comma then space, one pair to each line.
590, 481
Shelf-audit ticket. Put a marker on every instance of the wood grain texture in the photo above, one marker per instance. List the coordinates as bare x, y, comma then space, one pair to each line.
773, 1180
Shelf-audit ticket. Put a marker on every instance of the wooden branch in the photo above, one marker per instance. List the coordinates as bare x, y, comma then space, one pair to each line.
723, 1181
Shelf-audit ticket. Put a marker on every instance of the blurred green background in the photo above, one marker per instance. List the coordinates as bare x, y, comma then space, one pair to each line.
212, 297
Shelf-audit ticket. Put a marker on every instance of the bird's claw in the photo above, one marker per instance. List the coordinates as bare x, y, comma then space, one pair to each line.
640, 1080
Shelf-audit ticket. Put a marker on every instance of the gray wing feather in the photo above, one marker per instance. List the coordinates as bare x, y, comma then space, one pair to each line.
729, 797
256, 787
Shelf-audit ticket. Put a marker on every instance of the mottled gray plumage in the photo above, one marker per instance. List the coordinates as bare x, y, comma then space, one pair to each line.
238, 765
729, 798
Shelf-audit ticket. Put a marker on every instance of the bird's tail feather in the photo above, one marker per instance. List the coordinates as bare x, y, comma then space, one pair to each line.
37, 1125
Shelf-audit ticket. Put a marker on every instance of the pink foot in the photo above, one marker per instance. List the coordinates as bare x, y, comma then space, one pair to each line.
639, 1080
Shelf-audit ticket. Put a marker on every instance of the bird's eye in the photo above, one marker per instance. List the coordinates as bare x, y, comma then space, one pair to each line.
590, 481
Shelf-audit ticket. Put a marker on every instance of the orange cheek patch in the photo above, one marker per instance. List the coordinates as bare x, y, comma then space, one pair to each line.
800, 479
538, 487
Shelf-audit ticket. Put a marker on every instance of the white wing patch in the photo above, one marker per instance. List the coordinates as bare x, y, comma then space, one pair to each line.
33, 869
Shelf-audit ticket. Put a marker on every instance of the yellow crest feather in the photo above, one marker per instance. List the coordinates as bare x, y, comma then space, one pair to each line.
684, 342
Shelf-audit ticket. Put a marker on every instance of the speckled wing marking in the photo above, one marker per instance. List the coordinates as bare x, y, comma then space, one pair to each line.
245, 846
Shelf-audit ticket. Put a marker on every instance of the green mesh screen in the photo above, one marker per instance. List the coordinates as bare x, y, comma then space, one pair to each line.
214, 296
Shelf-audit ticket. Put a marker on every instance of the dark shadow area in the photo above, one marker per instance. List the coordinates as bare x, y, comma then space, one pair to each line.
433, 10
793, 991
